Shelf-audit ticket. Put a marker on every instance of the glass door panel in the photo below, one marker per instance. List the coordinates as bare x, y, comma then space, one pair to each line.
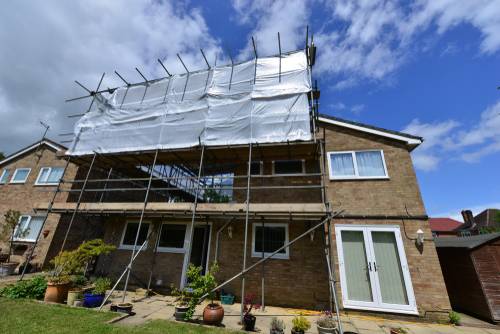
359, 287
387, 264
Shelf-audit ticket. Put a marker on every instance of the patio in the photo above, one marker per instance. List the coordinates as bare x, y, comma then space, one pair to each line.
162, 307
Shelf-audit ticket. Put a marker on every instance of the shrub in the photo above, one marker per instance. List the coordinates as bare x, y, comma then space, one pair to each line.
33, 289
277, 324
199, 285
454, 318
326, 320
300, 324
101, 285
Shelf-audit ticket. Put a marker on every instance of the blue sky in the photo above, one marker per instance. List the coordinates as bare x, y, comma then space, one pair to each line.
428, 67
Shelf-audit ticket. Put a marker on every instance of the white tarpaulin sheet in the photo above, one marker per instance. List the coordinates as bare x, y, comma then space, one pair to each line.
226, 105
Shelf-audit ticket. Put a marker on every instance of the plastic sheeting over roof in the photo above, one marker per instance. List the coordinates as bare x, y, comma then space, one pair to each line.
250, 102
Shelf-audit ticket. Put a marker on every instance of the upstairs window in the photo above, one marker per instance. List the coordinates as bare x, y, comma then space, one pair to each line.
28, 228
130, 233
270, 238
284, 167
49, 176
20, 175
357, 165
172, 238
4, 176
256, 168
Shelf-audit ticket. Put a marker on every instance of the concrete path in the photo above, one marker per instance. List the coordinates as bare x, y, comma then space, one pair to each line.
162, 307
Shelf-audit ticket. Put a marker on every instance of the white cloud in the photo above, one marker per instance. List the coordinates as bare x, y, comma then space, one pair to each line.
46, 45
449, 139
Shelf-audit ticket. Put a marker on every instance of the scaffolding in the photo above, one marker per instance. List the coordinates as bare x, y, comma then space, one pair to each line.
186, 187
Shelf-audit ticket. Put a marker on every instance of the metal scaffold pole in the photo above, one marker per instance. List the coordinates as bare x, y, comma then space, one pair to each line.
331, 271
129, 268
249, 174
82, 190
187, 255
49, 209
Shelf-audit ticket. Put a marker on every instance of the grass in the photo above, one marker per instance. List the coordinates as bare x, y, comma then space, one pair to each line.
25, 316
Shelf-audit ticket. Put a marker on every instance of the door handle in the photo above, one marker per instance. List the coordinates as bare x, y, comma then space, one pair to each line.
370, 266
375, 266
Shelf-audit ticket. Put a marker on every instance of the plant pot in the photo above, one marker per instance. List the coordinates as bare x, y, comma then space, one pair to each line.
180, 312
78, 303
7, 268
395, 331
249, 322
91, 300
213, 314
297, 332
276, 331
56, 292
227, 299
325, 330
124, 308
73, 295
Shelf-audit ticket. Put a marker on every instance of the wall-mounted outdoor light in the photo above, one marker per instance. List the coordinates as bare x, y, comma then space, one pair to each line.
311, 235
420, 237
230, 231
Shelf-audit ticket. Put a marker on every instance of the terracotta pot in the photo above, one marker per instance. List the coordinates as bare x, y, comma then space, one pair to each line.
213, 314
56, 292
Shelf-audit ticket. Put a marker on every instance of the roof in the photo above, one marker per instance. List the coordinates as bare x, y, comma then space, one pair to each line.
45, 141
444, 224
411, 140
466, 242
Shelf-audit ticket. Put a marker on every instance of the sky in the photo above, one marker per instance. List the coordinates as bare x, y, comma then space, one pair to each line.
426, 67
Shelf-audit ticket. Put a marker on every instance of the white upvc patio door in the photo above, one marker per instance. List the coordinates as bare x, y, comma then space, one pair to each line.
374, 274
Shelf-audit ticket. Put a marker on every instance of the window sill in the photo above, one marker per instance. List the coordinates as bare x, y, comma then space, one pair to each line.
131, 247
171, 250
46, 184
276, 256
359, 178
30, 241
18, 182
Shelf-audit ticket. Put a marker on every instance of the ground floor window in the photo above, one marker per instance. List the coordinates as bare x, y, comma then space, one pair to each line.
28, 228
269, 238
172, 238
130, 232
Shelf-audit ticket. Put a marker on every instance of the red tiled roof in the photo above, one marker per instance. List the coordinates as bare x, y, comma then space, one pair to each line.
443, 224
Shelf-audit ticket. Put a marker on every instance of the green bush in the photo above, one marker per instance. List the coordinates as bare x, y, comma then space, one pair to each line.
300, 324
454, 318
33, 289
101, 285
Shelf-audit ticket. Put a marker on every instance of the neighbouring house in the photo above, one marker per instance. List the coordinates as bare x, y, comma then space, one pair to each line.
442, 227
488, 219
27, 176
235, 165
471, 269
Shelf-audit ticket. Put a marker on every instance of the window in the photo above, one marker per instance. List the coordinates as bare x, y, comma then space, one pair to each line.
130, 232
256, 168
357, 165
289, 167
4, 176
269, 239
28, 228
49, 176
20, 175
172, 238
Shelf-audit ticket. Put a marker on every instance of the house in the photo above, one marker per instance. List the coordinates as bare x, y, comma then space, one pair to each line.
488, 219
27, 176
441, 227
287, 201
471, 269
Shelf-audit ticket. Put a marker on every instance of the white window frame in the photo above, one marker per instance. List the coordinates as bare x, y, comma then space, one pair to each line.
5, 171
375, 305
38, 183
286, 255
356, 175
15, 173
303, 166
131, 247
174, 249
28, 224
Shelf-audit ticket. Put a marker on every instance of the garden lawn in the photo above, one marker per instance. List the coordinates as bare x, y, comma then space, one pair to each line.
25, 316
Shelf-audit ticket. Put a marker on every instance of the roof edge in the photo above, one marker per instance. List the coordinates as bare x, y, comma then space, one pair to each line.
410, 140
46, 141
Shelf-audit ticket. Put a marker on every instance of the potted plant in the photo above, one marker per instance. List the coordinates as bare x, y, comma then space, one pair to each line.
326, 324
398, 330
8, 232
248, 318
77, 282
95, 297
300, 324
277, 326
68, 263
200, 285
181, 302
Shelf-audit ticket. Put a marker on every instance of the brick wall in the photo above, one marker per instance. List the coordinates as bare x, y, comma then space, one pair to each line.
22, 197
